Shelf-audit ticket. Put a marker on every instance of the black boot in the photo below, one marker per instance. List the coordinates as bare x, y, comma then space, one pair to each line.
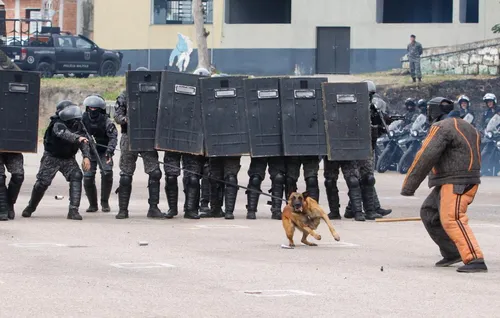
368, 194
414, 79
312, 187
332, 195
277, 188
355, 198
106, 186
4, 213
91, 192
348, 211
216, 197
36, 196
376, 203
75, 195
172, 192
205, 191
230, 195
475, 266
124, 191
253, 196
16, 181
192, 196
419, 79
154, 195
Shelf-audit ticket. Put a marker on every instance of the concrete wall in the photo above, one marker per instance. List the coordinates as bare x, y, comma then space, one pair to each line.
266, 49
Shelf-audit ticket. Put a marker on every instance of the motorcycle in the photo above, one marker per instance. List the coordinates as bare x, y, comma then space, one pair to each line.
392, 151
490, 155
412, 144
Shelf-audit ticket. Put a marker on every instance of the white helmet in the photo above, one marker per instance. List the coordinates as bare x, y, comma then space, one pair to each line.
371, 86
202, 71
463, 98
490, 96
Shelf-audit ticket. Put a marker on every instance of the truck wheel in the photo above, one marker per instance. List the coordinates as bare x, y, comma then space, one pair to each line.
45, 69
108, 68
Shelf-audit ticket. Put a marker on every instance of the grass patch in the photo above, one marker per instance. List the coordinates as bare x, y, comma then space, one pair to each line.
107, 87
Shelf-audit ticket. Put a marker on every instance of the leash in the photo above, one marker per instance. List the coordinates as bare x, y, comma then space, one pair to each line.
202, 176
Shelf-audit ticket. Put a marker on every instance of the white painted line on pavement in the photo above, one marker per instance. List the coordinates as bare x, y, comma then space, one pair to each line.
141, 265
277, 293
37, 245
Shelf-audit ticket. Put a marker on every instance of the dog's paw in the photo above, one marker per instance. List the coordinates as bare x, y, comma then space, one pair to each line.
291, 245
313, 244
337, 238
318, 237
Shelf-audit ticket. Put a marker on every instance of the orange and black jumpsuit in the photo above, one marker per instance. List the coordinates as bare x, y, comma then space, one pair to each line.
451, 156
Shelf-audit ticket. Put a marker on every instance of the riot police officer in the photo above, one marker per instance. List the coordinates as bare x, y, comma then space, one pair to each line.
128, 161
100, 126
62, 139
411, 112
205, 188
491, 102
464, 105
422, 106
310, 166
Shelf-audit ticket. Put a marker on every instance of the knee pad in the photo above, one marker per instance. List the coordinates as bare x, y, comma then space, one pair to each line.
231, 179
330, 184
17, 179
155, 175
40, 186
171, 181
108, 176
312, 182
368, 180
192, 180
255, 181
279, 178
125, 180
77, 176
89, 179
352, 182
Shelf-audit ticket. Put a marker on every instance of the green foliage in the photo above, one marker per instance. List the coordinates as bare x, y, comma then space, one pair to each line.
496, 28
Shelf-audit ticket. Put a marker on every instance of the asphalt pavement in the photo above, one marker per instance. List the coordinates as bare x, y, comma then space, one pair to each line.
103, 267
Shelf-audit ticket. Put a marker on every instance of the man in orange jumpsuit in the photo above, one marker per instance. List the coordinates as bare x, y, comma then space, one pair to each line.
450, 155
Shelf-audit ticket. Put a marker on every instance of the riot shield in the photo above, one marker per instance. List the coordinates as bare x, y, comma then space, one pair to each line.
263, 109
224, 116
143, 93
302, 116
347, 121
179, 126
19, 110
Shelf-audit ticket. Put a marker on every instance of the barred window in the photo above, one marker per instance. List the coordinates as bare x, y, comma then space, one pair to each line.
179, 11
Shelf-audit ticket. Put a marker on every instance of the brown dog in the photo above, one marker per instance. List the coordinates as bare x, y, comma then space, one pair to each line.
304, 213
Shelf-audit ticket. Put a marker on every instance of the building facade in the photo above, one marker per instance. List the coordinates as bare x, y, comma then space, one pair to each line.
284, 37
66, 14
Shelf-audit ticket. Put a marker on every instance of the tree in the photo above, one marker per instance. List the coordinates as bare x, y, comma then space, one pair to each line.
201, 34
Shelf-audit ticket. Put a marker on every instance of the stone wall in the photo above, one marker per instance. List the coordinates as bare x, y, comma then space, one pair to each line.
477, 58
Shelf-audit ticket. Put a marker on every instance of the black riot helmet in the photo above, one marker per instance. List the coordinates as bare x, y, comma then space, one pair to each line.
71, 113
437, 108
422, 106
94, 106
63, 104
410, 105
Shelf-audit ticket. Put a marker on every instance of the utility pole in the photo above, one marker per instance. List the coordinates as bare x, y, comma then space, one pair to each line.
201, 35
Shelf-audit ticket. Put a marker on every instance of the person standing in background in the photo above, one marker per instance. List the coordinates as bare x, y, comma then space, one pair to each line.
414, 51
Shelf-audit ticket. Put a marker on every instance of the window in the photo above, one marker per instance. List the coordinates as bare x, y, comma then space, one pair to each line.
83, 44
179, 11
469, 11
65, 41
258, 11
411, 11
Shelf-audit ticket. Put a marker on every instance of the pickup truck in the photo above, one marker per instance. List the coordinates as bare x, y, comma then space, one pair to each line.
65, 54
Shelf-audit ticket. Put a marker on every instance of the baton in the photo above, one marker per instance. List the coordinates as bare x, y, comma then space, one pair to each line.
94, 148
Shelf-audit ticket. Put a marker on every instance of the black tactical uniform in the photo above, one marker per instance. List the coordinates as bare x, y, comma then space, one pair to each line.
223, 168
128, 161
371, 203
62, 140
102, 128
8, 195
310, 165
191, 182
257, 173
